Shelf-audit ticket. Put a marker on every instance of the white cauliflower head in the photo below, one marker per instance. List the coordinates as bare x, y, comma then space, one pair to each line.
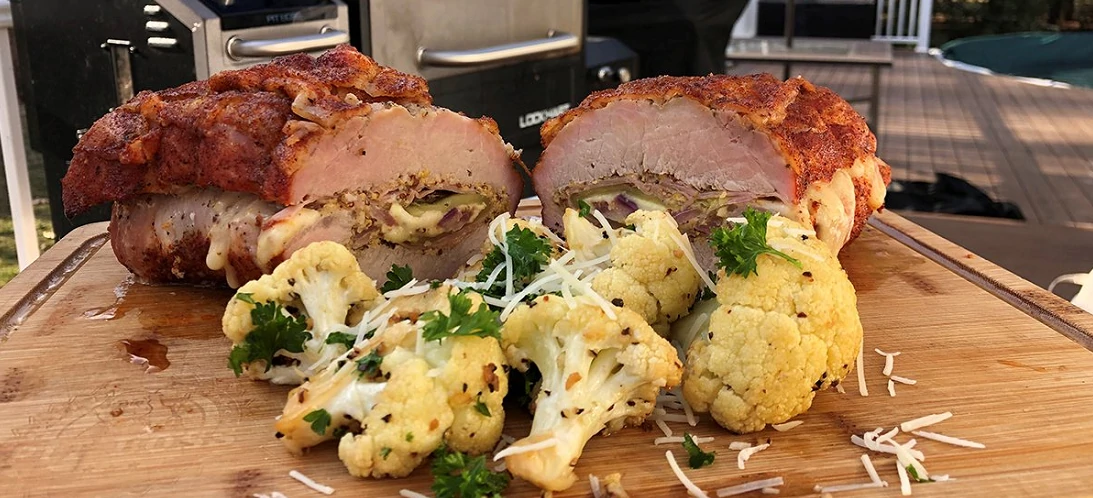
776, 337
598, 374
282, 324
648, 269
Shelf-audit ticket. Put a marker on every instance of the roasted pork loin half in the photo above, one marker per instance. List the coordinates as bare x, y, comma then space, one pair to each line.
704, 148
223, 179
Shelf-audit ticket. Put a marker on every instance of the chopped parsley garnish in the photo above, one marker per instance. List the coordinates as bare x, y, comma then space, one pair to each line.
914, 474
409, 437
738, 248
320, 420
456, 475
342, 338
697, 457
484, 322
583, 208
481, 407
274, 330
397, 278
529, 252
435, 284
369, 364
384, 452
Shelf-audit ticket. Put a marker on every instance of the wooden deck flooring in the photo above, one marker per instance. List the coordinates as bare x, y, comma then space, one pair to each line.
1026, 144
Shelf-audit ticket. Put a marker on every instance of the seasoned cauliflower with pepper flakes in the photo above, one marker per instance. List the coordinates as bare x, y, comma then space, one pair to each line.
786, 326
602, 368
431, 374
293, 321
647, 268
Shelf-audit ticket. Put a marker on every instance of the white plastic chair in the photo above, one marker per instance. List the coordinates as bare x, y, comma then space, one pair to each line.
1084, 298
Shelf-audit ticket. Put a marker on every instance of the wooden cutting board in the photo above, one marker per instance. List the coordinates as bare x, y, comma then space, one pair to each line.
78, 418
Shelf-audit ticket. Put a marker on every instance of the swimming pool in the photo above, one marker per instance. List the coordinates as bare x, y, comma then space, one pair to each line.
1057, 59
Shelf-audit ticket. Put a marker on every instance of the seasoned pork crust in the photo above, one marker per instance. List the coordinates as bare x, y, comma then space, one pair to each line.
816, 132
249, 130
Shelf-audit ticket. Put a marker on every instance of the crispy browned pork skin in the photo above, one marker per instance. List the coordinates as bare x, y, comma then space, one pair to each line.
222, 179
706, 147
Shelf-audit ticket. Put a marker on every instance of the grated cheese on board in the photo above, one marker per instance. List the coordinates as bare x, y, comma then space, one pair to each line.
748, 487
307, 481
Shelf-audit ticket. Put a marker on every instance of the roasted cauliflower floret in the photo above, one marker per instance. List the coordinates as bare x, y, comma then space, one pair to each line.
281, 324
782, 330
471, 372
435, 375
649, 271
599, 373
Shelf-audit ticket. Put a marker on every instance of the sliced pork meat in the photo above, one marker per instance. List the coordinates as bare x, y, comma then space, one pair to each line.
220, 180
704, 148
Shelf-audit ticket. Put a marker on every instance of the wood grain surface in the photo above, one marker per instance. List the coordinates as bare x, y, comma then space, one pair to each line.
77, 418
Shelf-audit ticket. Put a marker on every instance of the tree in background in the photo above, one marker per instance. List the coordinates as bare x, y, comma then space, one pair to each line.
962, 18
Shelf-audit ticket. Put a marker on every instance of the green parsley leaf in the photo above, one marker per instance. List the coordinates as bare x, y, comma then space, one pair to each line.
342, 338
697, 457
481, 407
397, 278
409, 437
456, 475
738, 248
384, 452
460, 321
529, 252
369, 364
914, 474
320, 420
273, 331
245, 297
435, 284
583, 209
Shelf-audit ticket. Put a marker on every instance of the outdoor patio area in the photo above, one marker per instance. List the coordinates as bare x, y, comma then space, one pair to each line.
1021, 143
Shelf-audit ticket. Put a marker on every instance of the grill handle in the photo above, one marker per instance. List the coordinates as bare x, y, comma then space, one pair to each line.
239, 48
556, 41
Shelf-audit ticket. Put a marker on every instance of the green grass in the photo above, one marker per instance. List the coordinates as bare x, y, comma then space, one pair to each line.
9, 262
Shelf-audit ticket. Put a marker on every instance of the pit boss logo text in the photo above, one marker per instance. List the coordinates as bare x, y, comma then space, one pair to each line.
537, 117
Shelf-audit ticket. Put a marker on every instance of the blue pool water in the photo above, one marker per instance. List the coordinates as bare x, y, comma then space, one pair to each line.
1060, 57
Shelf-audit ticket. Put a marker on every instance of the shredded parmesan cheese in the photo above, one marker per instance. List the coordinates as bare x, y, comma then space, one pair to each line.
594, 483
746, 453
903, 380
904, 482
692, 420
839, 389
679, 439
845, 487
691, 488
748, 487
605, 225
787, 426
891, 388
671, 417
885, 448
663, 427
862, 389
921, 422
871, 470
955, 441
525, 448
685, 246
771, 491
887, 436
739, 445
406, 493
306, 481
888, 363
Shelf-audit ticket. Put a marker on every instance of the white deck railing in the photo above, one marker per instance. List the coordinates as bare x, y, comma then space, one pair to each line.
15, 154
905, 21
